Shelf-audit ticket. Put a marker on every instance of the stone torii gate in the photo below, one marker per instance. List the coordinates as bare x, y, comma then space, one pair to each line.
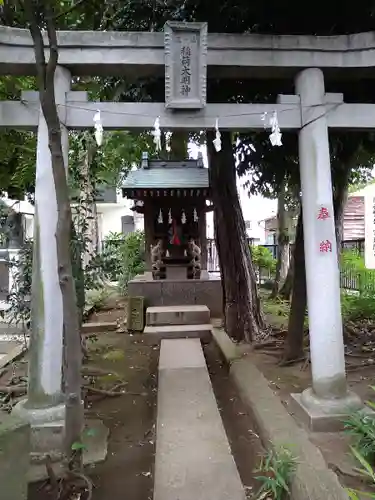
187, 55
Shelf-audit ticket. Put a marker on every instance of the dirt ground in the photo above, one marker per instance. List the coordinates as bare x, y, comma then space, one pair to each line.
238, 422
360, 365
131, 417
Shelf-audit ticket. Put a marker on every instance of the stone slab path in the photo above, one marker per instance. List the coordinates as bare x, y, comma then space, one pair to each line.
193, 457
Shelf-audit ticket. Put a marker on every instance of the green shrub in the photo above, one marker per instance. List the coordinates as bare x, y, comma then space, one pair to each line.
19, 297
262, 258
132, 254
353, 260
111, 256
362, 429
358, 307
367, 472
354, 273
277, 469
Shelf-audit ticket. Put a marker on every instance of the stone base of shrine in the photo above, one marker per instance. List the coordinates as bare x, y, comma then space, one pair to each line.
204, 292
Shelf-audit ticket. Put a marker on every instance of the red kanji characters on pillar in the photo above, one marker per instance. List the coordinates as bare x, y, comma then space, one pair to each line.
323, 213
325, 246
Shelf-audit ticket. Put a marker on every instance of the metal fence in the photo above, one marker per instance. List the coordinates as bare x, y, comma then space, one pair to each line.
356, 245
357, 280
213, 265
350, 278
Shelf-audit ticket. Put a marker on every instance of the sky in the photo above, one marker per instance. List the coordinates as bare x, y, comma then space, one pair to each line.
255, 208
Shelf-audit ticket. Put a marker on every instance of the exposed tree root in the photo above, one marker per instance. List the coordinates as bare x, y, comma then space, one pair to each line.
271, 344
71, 486
103, 392
352, 368
93, 371
291, 362
13, 389
271, 353
306, 364
111, 392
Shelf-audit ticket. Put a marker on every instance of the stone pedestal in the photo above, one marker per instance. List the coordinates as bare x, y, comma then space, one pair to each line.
47, 432
329, 393
324, 415
176, 272
206, 292
14, 457
47, 429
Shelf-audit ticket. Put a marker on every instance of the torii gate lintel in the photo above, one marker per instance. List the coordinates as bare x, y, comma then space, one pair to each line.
77, 113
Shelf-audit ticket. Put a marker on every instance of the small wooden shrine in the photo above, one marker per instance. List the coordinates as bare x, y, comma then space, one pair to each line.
172, 196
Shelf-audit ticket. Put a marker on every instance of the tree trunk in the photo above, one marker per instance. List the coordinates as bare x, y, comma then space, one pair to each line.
293, 346
78, 274
217, 241
286, 289
340, 197
243, 316
89, 219
179, 146
73, 354
282, 244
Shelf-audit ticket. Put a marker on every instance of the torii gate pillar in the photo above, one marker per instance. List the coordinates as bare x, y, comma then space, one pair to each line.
329, 395
45, 403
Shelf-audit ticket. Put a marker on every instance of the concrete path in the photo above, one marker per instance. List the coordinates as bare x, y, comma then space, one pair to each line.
12, 342
193, 456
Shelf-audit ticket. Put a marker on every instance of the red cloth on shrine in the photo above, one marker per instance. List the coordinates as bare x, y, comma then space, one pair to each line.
175, 238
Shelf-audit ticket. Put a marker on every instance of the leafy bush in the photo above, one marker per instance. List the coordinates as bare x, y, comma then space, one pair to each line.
277, 467
122, 256
352, 259
97, 298
132, 253
262, 258
362, 428
358, 307
20, 295
354, 274
367, 472
111, 255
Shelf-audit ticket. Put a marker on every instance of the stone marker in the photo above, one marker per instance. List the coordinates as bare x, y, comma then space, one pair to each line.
135, 314
14, 457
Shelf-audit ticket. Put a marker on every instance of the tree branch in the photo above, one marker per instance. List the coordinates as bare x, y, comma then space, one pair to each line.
53, 49
67, 11
36, 34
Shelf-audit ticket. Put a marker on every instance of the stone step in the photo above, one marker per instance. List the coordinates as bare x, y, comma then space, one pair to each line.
177, 315
99, 327
193, 458
154, 334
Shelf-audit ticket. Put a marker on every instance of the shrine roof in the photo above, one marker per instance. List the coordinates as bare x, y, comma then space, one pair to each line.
168, 175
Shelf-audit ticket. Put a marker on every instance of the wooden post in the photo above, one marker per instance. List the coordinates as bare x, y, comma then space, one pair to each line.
149, 232
203, 238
